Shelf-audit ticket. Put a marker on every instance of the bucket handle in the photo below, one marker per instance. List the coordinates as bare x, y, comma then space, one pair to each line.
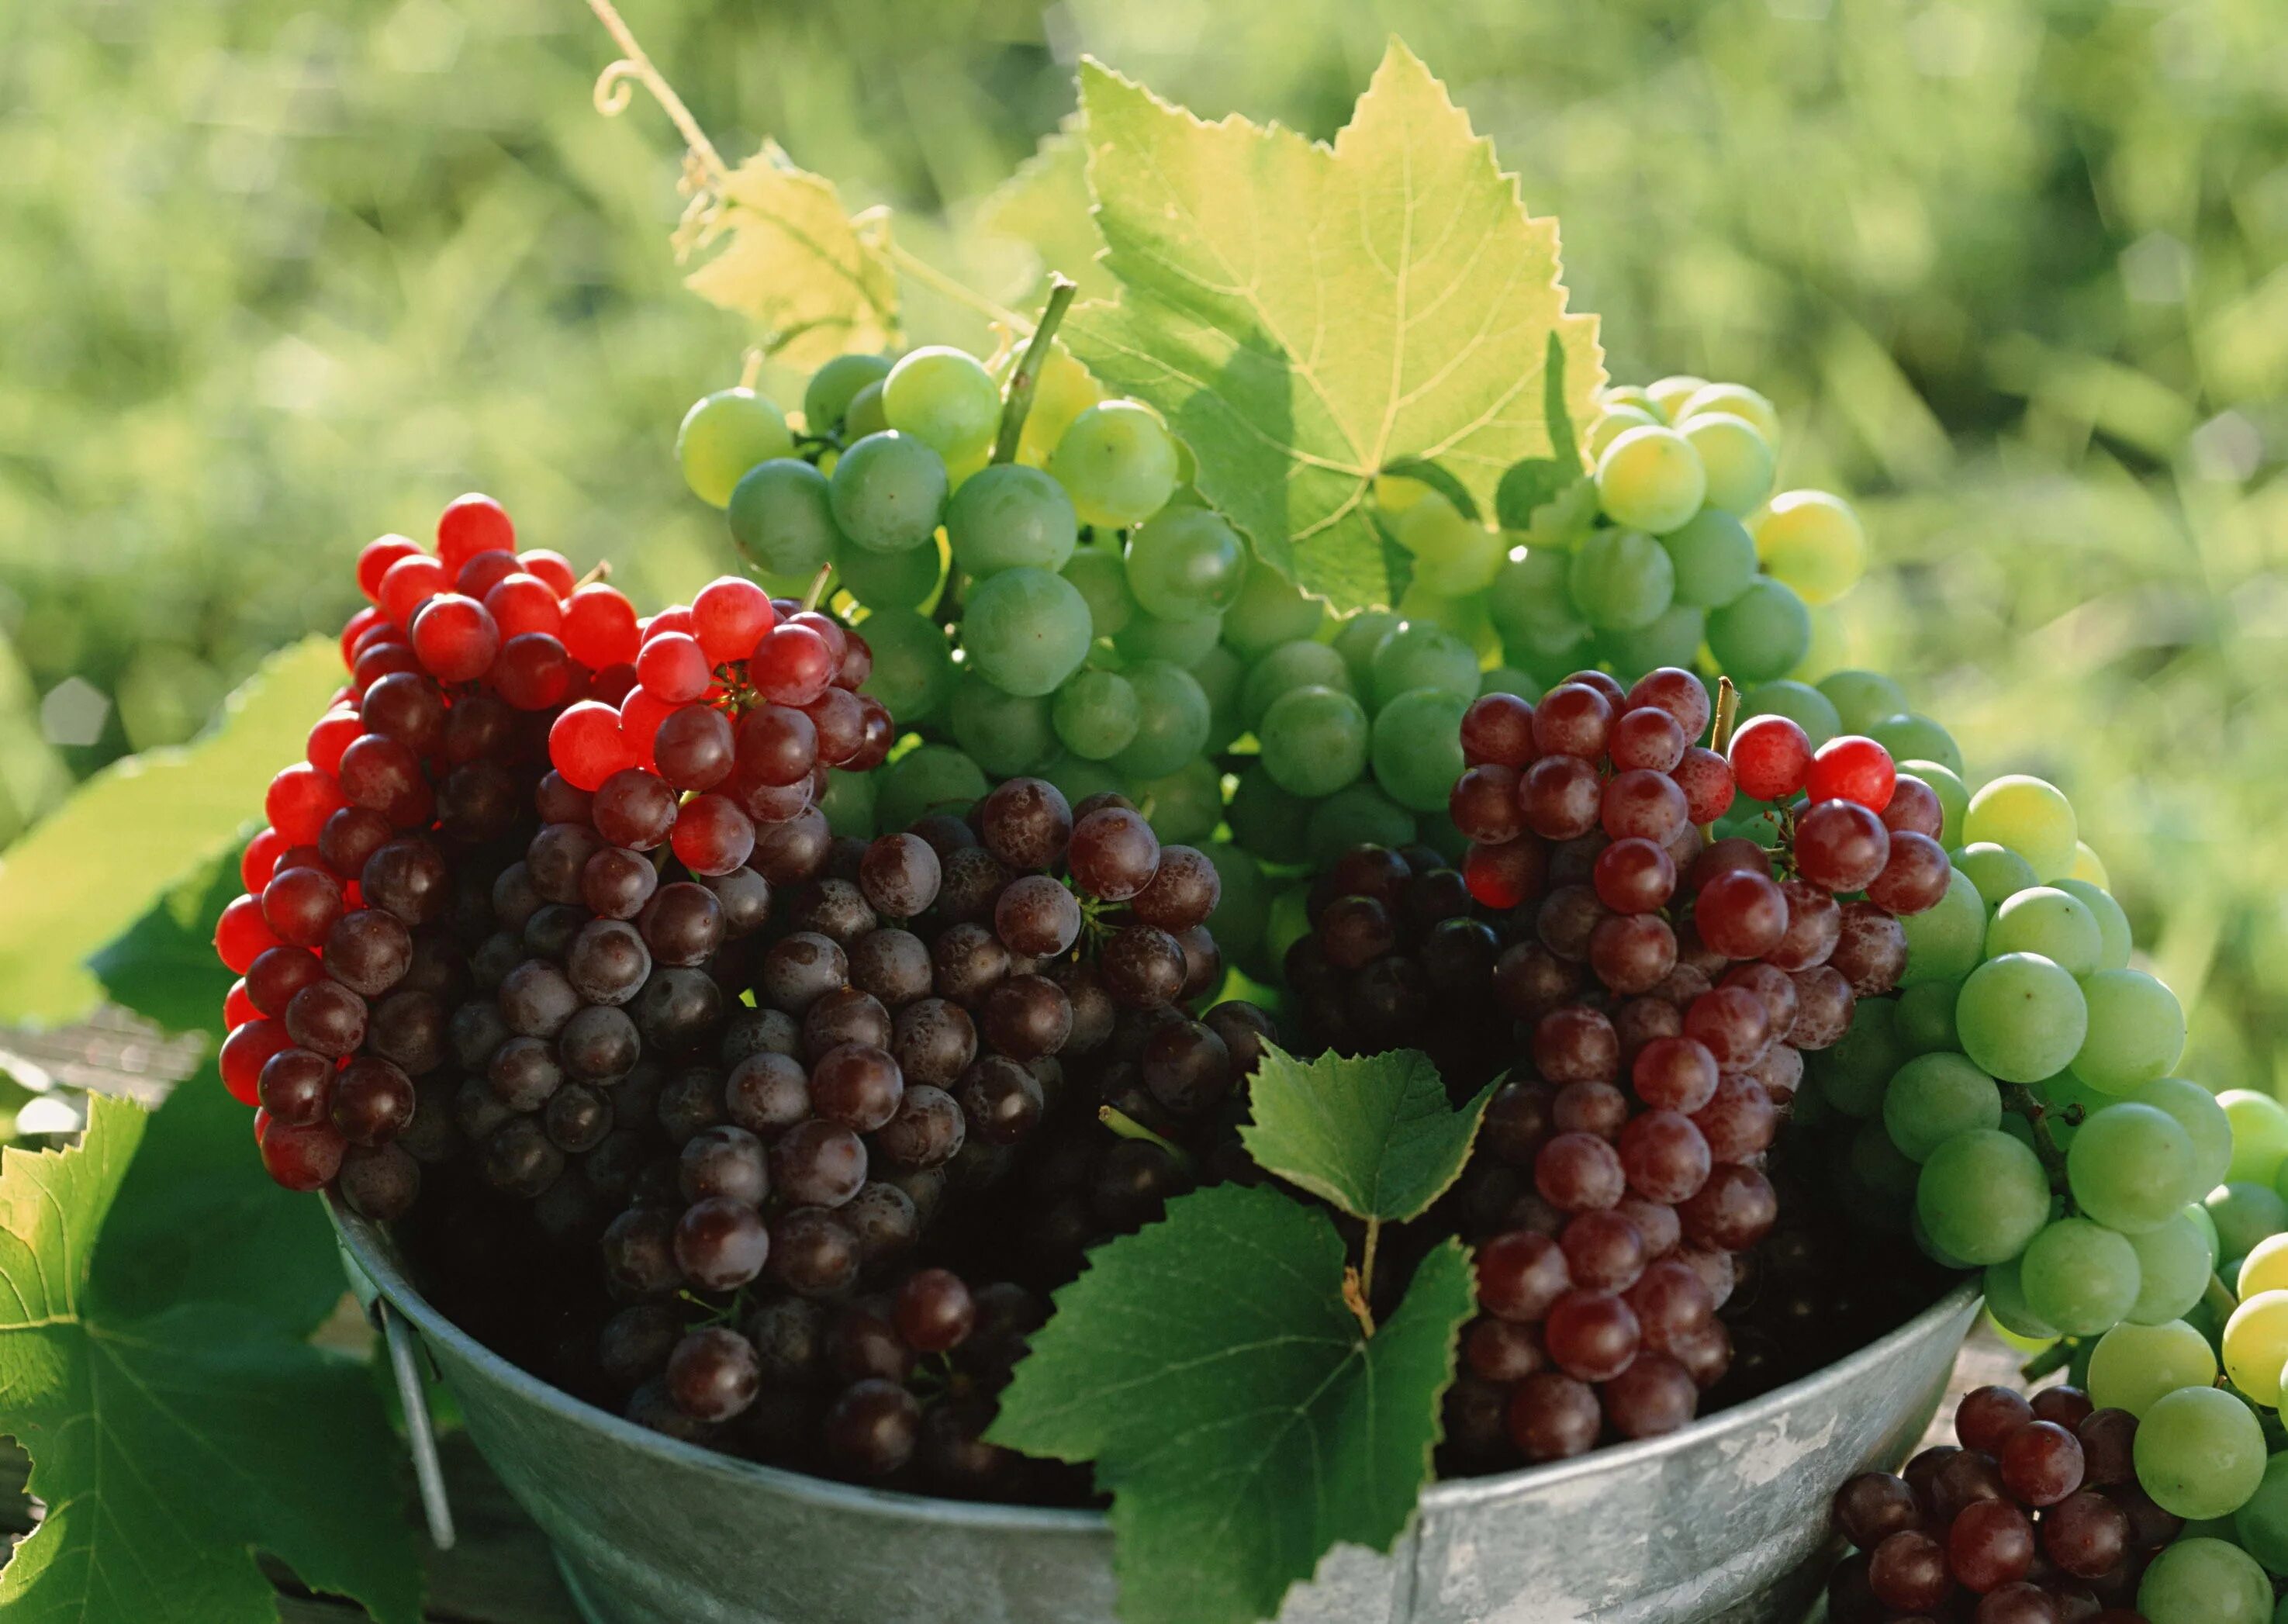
403, 1342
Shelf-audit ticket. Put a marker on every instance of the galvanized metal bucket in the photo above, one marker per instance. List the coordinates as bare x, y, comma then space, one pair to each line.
1724, 1523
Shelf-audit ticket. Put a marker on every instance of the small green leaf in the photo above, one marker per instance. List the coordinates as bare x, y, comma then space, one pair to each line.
91, 869
1242, 1421
164, 967
1374, 1135
1307, 316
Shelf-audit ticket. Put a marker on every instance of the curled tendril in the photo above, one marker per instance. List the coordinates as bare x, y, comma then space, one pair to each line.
615, 87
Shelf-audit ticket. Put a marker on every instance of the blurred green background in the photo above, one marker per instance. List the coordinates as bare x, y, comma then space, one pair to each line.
278, 275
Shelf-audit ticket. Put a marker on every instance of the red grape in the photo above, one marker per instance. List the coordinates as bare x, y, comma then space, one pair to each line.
1770, 756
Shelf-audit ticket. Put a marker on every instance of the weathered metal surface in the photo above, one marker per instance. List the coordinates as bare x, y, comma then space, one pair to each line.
1721, 1524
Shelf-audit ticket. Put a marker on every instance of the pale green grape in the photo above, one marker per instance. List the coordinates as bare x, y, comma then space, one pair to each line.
2042, 919
1935, 1096
827, 397
781, 519
1862, 698
1096, 714
1006, 734
1509, 679
1290, 665
2090, 867
1620, 579
1356, 814
1814, 542
889, 492
2245, 1213
2022, 1018
2134, 1367
926, 777
2080, 1276
1185, 563
1668, 395
913, 668
1999, 873
1465, 566
1172, 720
1119, 463
1910, 737
1945, 942
2256, 1346
1185, 643
2261, 1525
2131, 1167
1270, 610
1183, 807
2202, 1118
1806, 705
1629, 394
1418, 655
2032, 817
1763, 633
1953, 795
1674, 638
1617, 420
1243, 904
1418, 748
1527, 598
863, 415
2264, 1269
887, 580
2006, 1300
1268, 818
1981, 1196
1221, 673
1713, 558
1737, 458
1077, 778
1853, 1074
848, 803
1650, 479
1734, 400
1926, 1018
2202, 1216
2113, 938
1357, 638
1100, 576
2136, 1030
725, 434
1025, 631
1004, 516
1314, 740
945, 398
2174, 1265
2260, 1135
2205, 1581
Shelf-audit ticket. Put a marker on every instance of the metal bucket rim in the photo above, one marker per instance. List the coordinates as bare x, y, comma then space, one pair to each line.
372, 1251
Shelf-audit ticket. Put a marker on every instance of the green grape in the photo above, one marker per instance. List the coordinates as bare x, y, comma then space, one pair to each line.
2202, 1118
2113, 938
1172, 712
1620, 579
1357, 638
1418, 748
889, 492
927, 776
2245, 1213
1650, 479
2131, 1167
1946, 941
1004, 516
2256, 1346
1003, 734
1096, 714
1714, 558
1469, 566
780, 517
1997, 872
1554, 654
2134, 1367
725, 434
1418, 655
913, 668
1183, 807
1100, 576
1854, 1073
1221, 673
2261, 1525
2205, 1581
2264, 1269
2260, 1135
1289, 922
1025, 631
1910, 737
1935, 1096
2020, 1017
1290, 665
1812, 541
1981, 1196
1184, 643
1356, 814
2136, 1030
834, 386
1617, 420
1799, 702
1737, 458
1763, 633
1269, 820
1509, 679
1633, 395
1244, 902
2080, 1276
944, 398
1668, 395
1734, 400
2174, 1265
1885, 1180
1528, 594
2044, 920
1186, 562
1862, 698
1926, 1018
1314, 740
1674, 638
2201, 1214
2089, 866
2006, 1300
1270, 610
1077, 778
1953, 795
848, 803
1119, 462
888, 580
2032, 817
863, 415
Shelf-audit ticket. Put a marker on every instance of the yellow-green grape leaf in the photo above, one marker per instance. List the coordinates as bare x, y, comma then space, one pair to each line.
1374, 1134
96, 864
1237, 1411
1045, 205
170, 1443
1307, 315
818, 281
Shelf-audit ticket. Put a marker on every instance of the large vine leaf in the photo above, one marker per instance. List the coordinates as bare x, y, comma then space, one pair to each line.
817, 280
171, 1443
1374, 1134
1308, 315
1045, 205
164, 967
1240, 1417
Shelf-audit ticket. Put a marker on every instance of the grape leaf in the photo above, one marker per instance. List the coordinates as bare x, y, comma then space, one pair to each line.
1241, 1420
1307, 315
170, 1443
1374, 1135
91, 868
817, 280
1044, 204
164, 967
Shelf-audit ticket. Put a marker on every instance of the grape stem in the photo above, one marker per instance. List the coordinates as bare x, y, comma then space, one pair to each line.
1364, 1276
1128, 1127
1027, 374
2057, 1356
1728, 707
602, 572
612, 92
1355, 1298
810, 600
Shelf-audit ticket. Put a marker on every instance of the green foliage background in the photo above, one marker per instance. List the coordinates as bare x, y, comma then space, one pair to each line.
278, 275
